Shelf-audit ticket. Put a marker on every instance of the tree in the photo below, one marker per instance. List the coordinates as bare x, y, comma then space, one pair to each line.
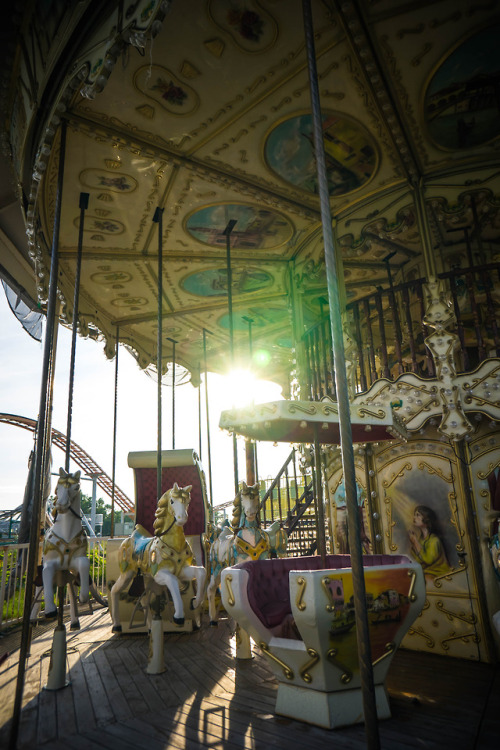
100, 507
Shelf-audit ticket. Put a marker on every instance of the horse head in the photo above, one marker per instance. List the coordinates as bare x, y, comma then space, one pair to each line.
248, 500
67, 490
173, 507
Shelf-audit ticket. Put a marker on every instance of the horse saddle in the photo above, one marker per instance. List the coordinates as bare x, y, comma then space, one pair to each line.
140, 538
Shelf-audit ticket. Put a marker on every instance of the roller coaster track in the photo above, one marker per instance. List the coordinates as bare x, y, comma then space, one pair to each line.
79, 456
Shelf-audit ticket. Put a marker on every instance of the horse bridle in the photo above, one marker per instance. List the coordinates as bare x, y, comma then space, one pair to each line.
166, 530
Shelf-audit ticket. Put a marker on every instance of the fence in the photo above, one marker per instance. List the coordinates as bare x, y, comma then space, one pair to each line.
13, 563
389, 333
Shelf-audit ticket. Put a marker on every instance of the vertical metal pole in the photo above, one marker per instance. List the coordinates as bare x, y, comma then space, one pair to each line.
158, 218
227, 231
199, 411
115, 433
84, 204
250, 446
320, 511
208, 425
425, 231
173, 391
346, 447
40, 444
94, 502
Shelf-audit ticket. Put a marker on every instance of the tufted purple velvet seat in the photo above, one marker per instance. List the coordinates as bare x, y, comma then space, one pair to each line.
268, 590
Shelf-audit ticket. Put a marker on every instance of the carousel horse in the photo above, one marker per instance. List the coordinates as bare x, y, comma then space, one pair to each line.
65, 546
242, 540
164, 559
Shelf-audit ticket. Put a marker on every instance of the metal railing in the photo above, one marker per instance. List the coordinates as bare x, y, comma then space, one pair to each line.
13, 562
289, 498
389, 333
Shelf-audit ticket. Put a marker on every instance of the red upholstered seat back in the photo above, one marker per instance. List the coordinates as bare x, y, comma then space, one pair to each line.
147, 502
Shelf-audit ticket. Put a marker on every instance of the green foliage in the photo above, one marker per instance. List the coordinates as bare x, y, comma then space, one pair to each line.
97, 564
100, 507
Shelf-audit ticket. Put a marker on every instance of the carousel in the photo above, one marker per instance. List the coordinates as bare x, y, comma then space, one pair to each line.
311, 189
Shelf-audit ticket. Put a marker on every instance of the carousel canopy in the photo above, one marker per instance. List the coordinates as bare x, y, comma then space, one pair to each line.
203, 110
306, 421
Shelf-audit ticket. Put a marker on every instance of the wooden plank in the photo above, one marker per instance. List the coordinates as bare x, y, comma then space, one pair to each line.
29, 713
136, 703
113, 688
173, 740
131, 732
176, 726
207, 699
103, 738
144, 725
66, 716
84, 712
136, 670
273, 729
47, 717
102, 709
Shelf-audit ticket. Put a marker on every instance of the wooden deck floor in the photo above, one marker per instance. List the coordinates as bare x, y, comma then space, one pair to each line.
206, 699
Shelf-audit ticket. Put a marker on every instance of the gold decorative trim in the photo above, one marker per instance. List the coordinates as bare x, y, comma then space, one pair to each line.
324, 582
485, 474
346, 675
364, 412
286, 669
230, 595
390, 523
215, 46
434, 470
469, 619
387, 482
389, 649
420, 631
301, 583
447, 576
460, 637
413, 575
304, 671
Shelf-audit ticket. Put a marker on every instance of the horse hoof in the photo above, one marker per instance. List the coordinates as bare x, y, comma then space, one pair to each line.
213, 623
116, 629
179, 620
75, 625
192, 603
51, 615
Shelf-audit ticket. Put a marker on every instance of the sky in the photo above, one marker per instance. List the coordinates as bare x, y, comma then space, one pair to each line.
21, 359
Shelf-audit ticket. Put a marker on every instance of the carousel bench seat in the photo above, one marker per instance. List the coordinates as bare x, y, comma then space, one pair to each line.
268, 587
301, 615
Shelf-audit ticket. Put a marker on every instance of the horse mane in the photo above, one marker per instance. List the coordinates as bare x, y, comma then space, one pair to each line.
162, 512
237, 506
68, 480
164, 509
235, 521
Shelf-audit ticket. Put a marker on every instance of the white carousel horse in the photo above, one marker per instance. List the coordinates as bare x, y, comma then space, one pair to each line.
165, 558
243, 540
65, 546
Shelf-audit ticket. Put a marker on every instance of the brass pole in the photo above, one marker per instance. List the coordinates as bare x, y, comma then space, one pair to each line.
40, 446
84, 204
346, 446
227, 232
158, 219
115, 432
